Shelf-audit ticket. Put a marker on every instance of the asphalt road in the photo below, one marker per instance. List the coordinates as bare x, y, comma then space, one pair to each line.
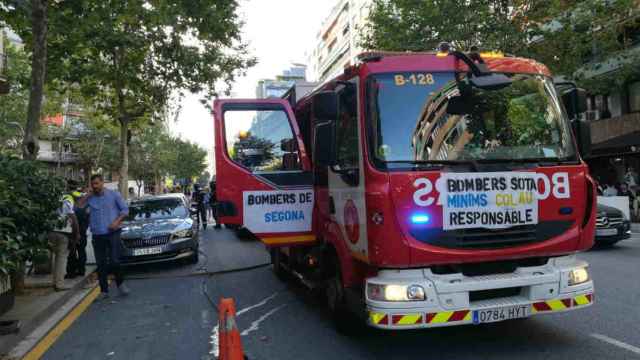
168, 317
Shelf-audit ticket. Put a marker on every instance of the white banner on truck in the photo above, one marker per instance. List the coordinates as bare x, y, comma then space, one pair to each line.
488, 200
278, 211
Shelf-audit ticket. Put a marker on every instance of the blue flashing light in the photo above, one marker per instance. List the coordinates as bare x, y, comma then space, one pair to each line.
420, 219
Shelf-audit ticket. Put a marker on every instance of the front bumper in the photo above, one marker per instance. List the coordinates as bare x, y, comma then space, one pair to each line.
613, 234
542, 290
171, 251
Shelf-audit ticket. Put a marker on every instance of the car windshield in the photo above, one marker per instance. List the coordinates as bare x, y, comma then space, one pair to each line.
157, 209
419, 117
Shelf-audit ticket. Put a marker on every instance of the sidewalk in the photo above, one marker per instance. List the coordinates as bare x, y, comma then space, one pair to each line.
37, 305
635, 227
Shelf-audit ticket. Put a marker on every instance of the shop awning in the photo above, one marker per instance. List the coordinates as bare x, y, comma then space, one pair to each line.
619, 145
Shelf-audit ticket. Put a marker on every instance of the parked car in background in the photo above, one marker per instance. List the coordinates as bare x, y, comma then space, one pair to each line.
611, 225
160, 228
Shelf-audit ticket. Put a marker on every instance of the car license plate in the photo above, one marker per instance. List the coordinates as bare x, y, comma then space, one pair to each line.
606, 232
500, 314
147, 251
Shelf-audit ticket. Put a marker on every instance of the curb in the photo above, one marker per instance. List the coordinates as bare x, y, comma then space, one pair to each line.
33, 331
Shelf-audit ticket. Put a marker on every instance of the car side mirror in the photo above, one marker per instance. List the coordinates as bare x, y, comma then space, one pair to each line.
325, 106
324, 150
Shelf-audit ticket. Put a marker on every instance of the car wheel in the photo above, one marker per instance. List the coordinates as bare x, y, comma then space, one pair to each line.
195, 257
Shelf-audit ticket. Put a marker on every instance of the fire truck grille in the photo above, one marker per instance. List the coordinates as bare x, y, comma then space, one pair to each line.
491, 238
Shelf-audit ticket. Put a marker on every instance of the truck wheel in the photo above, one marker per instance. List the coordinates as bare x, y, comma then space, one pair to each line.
276, 263
345, 322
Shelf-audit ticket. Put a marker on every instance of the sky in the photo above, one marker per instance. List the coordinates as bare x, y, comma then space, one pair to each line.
279, 32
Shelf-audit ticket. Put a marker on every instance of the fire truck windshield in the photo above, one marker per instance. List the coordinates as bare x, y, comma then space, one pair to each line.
431, 117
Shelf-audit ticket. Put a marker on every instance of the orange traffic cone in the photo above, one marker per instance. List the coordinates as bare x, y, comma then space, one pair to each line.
230, 346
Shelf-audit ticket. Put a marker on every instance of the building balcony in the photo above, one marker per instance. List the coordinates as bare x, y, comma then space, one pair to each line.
617, 132
4, 79
56, 156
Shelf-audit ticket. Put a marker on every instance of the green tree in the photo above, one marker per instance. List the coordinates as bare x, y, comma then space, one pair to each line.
96, 144
14, 105
189, 161
142, 52
151, 155
570, 37
30, 19
579, 36
414, 25
29, 198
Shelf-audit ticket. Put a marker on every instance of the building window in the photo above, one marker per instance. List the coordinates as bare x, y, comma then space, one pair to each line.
332, 45
634, 97
261, 140
345, 30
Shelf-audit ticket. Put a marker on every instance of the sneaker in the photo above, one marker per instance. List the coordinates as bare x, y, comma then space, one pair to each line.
63, 287
103, 296
123, 290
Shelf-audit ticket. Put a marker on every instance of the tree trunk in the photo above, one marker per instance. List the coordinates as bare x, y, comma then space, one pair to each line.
38, 71
124, 159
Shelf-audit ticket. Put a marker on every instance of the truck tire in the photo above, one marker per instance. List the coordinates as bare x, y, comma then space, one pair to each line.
276, 263
345, 321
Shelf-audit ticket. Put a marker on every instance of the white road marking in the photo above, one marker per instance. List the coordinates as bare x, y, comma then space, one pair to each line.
256, 324
261, 303
215, 345
617, 343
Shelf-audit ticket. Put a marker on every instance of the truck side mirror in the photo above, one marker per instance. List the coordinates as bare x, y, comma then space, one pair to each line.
582, 132
325, 106
324, 150
575, 102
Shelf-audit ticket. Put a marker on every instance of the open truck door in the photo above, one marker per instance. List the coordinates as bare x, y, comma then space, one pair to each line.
263, 173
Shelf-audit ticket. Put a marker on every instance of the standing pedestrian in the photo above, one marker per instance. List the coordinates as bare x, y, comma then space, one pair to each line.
610, 190
198, 198
107, 210
213, 200
77, 260
207, 201
65, 235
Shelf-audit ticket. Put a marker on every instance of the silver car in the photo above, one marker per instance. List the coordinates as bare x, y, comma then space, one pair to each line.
160, 228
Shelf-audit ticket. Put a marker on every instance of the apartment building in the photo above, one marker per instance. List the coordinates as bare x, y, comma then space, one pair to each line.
337, 42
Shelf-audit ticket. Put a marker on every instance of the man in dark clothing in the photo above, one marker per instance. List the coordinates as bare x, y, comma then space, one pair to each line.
77, 260
213, 201
198, 198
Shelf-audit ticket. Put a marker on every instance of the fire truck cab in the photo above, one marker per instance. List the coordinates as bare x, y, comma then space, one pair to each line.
418, 189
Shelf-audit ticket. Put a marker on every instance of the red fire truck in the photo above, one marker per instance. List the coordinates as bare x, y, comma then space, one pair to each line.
418, 189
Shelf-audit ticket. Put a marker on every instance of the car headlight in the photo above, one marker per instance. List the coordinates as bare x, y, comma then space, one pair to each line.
183, 233
382, 292
578, 276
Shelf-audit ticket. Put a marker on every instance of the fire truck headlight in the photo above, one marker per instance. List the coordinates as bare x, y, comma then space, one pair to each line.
380, 292
578, 276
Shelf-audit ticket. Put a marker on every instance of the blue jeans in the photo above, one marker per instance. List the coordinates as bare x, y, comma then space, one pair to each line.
107, 249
